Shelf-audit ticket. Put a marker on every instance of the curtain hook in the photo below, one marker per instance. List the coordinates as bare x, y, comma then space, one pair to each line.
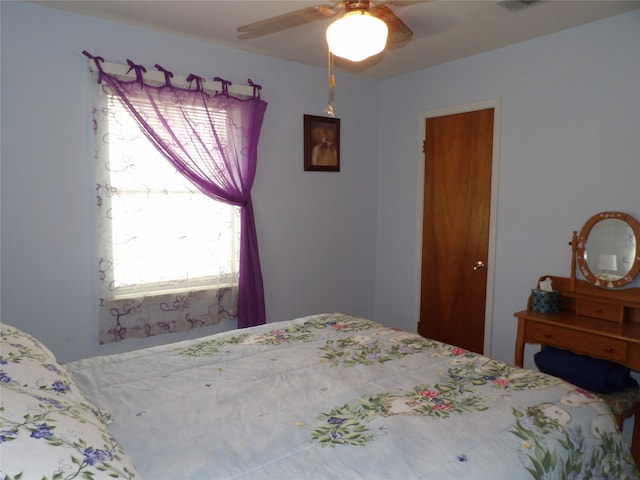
97, 61
256, 87
225, 84
139, 69
167, 74
199, 80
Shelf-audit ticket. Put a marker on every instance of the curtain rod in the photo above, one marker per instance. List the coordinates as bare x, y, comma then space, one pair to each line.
176, 80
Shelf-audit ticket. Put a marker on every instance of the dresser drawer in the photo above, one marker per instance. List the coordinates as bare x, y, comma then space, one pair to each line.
578, 342
605, 311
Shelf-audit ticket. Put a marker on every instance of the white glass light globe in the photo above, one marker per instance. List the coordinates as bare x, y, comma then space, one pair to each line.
357, 35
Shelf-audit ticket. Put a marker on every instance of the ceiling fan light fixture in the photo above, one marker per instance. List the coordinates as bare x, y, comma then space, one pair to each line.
357, 35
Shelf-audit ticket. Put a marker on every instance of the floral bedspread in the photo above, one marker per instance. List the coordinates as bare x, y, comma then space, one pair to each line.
333, 396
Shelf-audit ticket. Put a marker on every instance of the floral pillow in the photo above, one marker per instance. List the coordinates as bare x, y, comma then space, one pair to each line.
46, 436
48, 430
26, 362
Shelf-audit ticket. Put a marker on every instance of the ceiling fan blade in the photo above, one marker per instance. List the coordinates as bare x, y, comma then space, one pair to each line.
402, 3
399, 33
288, 20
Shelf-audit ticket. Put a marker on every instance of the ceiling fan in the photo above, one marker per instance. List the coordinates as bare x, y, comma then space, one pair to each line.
396, 32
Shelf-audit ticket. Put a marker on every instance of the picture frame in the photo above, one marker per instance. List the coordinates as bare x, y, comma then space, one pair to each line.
321, 144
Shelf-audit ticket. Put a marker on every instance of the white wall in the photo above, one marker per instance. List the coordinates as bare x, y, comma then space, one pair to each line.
316, 229
570, 147
348, 241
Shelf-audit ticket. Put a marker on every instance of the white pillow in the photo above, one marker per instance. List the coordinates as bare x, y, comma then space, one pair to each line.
47, 427
44, 435
25, 361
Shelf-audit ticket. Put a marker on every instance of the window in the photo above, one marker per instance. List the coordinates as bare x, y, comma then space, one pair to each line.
168, 255
148, 264
164, 230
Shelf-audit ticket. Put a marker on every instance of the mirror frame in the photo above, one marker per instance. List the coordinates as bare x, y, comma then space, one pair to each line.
582, 243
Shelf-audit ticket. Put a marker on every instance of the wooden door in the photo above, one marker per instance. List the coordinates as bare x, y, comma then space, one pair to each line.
455, 236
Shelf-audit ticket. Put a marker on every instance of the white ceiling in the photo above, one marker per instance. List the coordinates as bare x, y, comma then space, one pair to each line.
444, 30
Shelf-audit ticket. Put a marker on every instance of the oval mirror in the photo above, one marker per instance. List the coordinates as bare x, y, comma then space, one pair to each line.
608, 249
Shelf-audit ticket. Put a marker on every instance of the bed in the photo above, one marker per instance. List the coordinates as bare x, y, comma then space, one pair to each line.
325, 396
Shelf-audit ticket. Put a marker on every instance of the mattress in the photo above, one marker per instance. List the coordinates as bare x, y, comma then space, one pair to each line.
336, 396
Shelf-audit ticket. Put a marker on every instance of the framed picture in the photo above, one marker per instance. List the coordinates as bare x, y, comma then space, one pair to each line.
321, 144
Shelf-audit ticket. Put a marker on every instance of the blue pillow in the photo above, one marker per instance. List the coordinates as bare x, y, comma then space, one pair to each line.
584, 371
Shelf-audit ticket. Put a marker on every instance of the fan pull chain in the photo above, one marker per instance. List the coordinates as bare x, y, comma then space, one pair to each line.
332, 84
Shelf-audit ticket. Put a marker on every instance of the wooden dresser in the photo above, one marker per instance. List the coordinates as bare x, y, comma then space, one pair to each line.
592, 321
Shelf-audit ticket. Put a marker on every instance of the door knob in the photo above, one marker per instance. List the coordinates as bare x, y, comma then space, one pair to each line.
479, 265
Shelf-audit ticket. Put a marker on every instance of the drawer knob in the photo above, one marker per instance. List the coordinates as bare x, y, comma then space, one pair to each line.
547, 335
599, 310
608, 349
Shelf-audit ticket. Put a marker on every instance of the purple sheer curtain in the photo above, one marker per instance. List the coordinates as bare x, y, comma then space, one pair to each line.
215, 150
